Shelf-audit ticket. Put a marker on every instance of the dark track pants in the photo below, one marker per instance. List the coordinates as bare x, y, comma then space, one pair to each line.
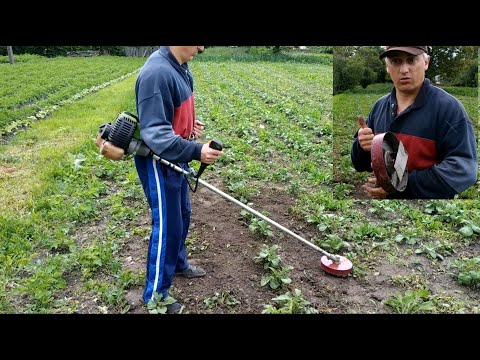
167, 193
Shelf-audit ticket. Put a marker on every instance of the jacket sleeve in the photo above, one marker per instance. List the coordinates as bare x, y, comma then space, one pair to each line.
457, 171
425, 184
459, 168
156, 130
361, 159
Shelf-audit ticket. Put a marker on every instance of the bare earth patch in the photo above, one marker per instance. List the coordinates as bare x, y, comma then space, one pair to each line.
7, 170
224, 246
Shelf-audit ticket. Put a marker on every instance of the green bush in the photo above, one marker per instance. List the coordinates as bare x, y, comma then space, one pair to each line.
22, 58
357, 65
469, 77
347, 73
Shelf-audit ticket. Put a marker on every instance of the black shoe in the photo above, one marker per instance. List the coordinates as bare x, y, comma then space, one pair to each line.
192, 272
175, 308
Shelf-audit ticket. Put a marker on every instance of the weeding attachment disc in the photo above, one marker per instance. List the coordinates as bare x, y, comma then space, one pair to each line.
343, 268
389, 160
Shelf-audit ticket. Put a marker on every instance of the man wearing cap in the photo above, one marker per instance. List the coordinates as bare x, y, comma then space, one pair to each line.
432, 125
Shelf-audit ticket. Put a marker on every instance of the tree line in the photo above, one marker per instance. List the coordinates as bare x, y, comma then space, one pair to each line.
52, 51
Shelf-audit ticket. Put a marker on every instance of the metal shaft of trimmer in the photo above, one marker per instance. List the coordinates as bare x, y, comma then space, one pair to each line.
332, 257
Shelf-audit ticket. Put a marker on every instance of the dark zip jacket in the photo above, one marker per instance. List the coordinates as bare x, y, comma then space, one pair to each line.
438, 136
166, 107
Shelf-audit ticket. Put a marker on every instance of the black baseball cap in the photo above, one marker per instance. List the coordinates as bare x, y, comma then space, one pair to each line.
414, 50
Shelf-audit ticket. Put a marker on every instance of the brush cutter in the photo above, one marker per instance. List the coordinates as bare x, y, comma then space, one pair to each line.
124, 137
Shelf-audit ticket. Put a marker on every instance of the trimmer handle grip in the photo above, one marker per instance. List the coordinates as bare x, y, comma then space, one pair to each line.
216, 144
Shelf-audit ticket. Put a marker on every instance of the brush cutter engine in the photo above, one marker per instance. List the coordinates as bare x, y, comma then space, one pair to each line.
124, 136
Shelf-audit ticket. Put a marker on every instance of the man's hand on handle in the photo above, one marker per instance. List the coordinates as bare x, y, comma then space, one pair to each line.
209, 155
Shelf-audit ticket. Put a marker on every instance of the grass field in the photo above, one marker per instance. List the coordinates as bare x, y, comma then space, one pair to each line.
74, 226
35, 86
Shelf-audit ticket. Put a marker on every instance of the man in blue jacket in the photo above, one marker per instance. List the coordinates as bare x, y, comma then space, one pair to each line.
166, 109
432, 124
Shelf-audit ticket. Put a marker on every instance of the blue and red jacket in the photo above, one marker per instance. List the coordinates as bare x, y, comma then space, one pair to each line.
166, 107
438, 136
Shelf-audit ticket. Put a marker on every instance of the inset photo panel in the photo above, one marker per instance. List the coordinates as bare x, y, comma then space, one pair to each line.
405, 122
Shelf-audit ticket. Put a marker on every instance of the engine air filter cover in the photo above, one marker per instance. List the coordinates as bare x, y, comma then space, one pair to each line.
123, 130
389, 162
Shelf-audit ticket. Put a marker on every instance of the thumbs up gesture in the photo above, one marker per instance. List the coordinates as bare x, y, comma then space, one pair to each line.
365, 135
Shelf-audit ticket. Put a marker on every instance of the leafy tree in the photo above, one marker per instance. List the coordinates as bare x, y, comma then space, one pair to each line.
376, 67
321, 49
313, 49
356, 65
347, 73
276, 49
455, 65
